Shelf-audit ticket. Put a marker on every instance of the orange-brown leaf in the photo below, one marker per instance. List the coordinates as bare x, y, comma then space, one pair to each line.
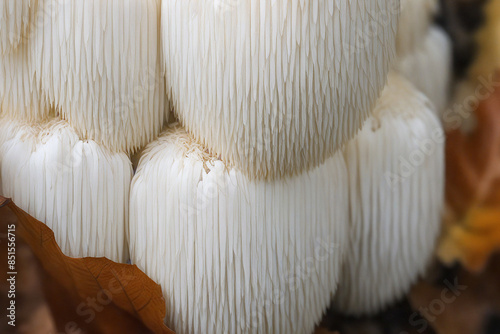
473, 160
473, 240
94, 295
472, 231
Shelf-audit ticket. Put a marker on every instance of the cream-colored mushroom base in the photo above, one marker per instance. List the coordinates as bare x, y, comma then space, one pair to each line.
78, 188
15, 18
98, 64
428, 67
234, 255
276, 87
395, 167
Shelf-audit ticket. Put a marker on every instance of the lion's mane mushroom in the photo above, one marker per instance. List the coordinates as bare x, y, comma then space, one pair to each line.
395, 167
424, 52
20, 93
276, 87
78, 188
235, 255
99, 65
16, 16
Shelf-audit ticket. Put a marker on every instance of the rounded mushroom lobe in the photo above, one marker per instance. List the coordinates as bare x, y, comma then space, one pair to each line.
77, 187
276, 87
236, 255
98, 64
396, 170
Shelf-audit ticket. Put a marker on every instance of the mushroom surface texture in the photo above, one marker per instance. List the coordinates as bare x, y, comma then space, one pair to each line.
99, 65
8, 129
235, 255
429, 67
16, 16
78, 188
276, 87
396, 170
20, 92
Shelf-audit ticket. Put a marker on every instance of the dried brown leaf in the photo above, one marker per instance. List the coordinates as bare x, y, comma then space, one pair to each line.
92, 295
472, 229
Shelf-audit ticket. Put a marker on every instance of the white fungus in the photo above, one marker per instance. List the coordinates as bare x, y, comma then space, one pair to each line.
234, 255
276, 87
396, 172
16, 20
20, 92
78, 188
98, 63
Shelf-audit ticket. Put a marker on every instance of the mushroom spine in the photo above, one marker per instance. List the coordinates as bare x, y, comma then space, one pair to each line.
276, 87
78, 188
98, 63
396, 169
235, 255
16, 16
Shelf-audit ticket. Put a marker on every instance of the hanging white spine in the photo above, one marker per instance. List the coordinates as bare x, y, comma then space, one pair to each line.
276, 87
395, 167
99, 66
234, 255
17, 17
20, 92
78, 188
8, 129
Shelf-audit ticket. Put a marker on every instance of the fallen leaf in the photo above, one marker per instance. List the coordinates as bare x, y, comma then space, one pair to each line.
88, 295
472, 229
473, 240
473, 160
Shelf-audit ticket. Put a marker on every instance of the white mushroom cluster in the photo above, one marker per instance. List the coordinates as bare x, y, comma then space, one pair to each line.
81, 88
278, 187
96, 64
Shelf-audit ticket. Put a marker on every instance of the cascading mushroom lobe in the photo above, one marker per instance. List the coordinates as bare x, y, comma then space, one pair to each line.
276, 87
